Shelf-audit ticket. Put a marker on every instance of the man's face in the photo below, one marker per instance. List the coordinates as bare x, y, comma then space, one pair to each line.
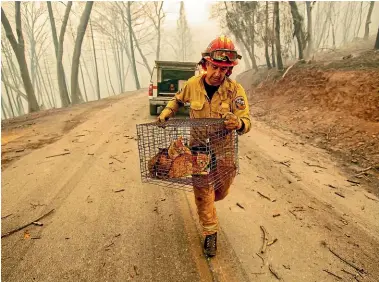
215, 74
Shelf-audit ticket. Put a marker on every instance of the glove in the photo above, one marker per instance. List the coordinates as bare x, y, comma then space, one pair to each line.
232, 122
165, 115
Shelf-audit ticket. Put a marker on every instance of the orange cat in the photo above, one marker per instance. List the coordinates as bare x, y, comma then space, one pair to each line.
177, 148
200, 163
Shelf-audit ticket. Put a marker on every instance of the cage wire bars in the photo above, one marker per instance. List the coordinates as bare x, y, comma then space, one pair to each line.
181, 153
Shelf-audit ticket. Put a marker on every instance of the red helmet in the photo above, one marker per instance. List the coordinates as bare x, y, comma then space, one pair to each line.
221, 52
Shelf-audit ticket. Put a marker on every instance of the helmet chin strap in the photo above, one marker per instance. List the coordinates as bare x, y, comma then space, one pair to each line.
229, 72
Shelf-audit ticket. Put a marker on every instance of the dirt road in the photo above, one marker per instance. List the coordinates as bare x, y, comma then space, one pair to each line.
108, 226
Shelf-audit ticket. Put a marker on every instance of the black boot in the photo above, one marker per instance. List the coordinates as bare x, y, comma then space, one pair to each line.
210, 245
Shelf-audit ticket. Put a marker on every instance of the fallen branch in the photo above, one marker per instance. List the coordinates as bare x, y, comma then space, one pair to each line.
264, 196
286, 163
263, 260
66, 153
293, 214
309, 164
241, 206
366, 169
265, 239
287, 70
331, 273
109, 245
347, 262
352, 181
112, 157
339, 194
371, 198
272, 242
26, 225
8, 215
348, 272
273, 272
121, 190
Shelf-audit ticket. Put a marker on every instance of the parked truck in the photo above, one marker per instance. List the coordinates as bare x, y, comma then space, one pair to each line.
167, 79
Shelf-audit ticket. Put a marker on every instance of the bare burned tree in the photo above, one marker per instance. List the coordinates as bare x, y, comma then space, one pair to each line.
76, 96
11, 78
58, 45
277, 36
273, 39
19, 50
298, 29
377, 41
184, 37
94, 56
154, 11
310, 5
134, 66
110, 22
368, 20
240, 18
267, 56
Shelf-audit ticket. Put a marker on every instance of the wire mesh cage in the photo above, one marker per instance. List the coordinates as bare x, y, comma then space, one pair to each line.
182, 153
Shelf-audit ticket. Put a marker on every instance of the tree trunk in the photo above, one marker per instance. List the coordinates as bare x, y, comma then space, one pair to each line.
298, 28
359, 21
44, 83
159, 31
332, 24
48, 75
242, 48
277, 35
32, 61
97, 71
58, 45
146, 63
253, 60
76, 97
132, 48
7, 90
3, 108
115, 46
266, 38
368, 20
309, 28
11, 66
19, 50
105, 72
273, 41
377, 41
83, 63
109, 74
83, 81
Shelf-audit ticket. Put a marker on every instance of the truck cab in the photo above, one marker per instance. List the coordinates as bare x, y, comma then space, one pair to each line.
167, 79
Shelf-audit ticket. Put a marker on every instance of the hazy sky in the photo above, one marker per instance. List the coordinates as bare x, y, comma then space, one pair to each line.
197, 11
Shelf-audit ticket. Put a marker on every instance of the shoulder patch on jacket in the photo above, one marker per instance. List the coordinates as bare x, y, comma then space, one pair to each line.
239, 102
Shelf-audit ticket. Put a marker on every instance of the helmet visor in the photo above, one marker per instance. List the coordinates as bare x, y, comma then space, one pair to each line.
224, 55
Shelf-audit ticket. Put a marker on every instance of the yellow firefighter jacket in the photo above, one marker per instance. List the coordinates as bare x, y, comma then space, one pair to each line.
230, 97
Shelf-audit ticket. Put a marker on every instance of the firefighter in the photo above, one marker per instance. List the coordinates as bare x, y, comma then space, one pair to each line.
213, 95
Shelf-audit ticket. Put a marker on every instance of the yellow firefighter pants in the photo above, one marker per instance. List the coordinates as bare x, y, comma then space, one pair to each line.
205, 196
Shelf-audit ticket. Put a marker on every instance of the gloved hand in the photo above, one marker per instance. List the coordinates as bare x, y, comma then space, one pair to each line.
232, 122
165, 115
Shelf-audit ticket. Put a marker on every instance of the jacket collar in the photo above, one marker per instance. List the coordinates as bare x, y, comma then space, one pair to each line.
225, 90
